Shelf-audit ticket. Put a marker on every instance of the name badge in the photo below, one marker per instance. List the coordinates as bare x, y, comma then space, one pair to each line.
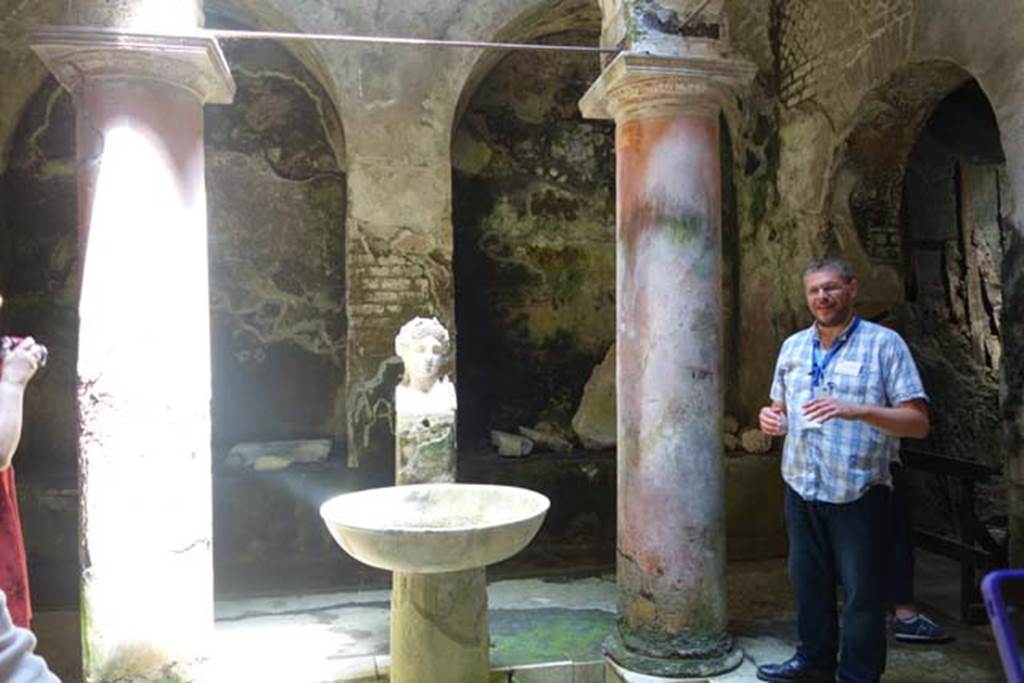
848, 367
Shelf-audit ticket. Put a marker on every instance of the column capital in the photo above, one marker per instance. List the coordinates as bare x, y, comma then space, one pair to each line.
640, 85
77, 56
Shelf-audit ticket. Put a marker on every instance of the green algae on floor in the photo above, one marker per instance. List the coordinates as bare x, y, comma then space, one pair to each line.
527, 636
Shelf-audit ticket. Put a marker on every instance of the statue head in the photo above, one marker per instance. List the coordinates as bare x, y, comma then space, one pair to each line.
423, 344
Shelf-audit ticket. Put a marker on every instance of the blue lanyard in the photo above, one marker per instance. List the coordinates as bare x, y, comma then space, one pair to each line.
819, 364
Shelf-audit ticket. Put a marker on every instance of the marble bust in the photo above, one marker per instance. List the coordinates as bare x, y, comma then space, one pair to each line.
425, 405
423, 346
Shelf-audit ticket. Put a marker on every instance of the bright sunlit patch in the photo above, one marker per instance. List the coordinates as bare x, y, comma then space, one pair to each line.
273, 652
164, 16
144, 290
144, 368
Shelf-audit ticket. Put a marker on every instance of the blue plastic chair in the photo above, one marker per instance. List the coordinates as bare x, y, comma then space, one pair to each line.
993, 589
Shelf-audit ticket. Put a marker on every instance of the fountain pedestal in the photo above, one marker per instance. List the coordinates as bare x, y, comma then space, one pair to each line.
437, 539
439, 627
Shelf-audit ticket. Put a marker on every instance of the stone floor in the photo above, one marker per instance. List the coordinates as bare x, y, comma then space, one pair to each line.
542, 630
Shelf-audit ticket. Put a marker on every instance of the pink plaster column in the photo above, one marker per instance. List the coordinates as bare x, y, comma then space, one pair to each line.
144, 355
671, 517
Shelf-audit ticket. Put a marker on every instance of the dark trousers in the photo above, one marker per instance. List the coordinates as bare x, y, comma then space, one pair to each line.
899, 582
832, 543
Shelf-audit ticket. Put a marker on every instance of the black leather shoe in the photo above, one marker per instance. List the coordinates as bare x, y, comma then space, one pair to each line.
794, 669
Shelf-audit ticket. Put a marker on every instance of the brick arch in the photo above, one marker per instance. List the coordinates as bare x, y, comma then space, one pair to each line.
863, 198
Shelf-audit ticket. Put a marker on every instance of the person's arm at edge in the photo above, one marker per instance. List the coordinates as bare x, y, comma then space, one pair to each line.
12, 400
17, 368
18, 661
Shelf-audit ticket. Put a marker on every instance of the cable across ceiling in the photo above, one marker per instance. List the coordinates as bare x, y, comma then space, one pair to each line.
286, 36
231, 34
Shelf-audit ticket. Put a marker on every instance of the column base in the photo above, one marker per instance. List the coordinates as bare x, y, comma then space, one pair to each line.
691, 666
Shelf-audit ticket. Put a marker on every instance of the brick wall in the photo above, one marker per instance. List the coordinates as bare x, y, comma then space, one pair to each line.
387, 286
834, 49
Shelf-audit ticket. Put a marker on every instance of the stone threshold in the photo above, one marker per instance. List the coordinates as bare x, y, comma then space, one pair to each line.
375, 668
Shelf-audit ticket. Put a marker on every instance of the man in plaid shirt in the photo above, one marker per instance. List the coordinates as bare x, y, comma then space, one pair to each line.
845, 391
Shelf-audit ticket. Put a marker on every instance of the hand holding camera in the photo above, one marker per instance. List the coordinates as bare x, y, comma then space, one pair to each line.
21, 357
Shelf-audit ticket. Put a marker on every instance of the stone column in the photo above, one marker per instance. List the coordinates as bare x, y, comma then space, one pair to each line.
144, 346
671, 521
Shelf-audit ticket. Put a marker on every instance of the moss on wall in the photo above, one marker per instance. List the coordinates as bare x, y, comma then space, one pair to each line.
534, 242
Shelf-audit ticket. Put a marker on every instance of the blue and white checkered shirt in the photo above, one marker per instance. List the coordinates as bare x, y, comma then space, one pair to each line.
840, 460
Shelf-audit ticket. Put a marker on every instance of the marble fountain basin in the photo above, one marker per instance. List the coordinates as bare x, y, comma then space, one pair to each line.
433, 528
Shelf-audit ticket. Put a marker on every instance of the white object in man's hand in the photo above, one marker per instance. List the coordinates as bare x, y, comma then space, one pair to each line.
772, 420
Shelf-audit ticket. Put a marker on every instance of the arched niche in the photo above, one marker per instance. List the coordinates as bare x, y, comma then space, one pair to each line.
895, 206
534, 260
533, 213
534, 220
918, 201
953, 241
38, 261
534, 243
276, 203
864, 197
276, 197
